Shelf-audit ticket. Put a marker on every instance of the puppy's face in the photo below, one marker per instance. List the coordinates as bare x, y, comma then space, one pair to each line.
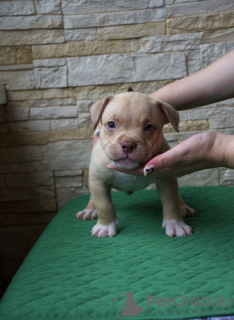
131, 130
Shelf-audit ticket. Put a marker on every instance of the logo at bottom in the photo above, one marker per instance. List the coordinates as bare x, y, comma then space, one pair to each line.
130, 308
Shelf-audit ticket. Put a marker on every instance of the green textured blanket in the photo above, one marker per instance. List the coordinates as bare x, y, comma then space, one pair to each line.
139, 274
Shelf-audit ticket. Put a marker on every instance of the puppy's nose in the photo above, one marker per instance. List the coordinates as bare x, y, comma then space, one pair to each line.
128, 146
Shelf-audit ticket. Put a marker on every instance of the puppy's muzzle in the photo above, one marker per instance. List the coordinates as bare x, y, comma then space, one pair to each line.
128, 146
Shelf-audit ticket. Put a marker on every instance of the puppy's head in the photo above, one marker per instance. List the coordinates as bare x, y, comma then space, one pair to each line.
131, 127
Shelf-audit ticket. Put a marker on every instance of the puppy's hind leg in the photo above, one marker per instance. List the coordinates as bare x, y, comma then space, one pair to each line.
89, 213
185, 210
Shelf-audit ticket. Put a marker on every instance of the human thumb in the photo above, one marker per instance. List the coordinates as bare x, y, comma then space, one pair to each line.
159, 163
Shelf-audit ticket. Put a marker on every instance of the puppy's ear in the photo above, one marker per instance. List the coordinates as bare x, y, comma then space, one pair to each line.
96, 110
170, 114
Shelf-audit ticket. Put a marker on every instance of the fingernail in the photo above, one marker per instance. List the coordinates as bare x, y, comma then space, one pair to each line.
110, 166
149, 170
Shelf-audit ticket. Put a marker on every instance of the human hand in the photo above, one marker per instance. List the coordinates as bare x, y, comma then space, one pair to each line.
201, 151
193, 154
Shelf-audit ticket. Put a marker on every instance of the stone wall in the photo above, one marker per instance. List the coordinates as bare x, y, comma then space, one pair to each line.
57, 57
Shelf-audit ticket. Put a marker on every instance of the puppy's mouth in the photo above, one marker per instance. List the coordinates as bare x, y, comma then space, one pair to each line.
126, 163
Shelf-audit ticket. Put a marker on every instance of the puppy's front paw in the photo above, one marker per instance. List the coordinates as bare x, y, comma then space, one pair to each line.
86, 214
102, 231
177, 228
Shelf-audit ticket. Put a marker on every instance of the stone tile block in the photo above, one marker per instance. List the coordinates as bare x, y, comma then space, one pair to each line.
80, 34
229, 131
217, 36
198, 125
15, 55
193, 66
183, 115
32, 179
178, 136
212, 52
16, 7
156, 3
29, 206
16, 67
84, 105
226, 176
27, 126
78, 7
14, 242
43, 137
53, 112
69, 155
31, 37
180, 42
50, 102
24, 219
199, 7
131, 31
113, 18
2, 182
221, 122
24, 167
69, 182
66, 194
68, 173
96, 70
15, 111
203, 22
49, 63
208, 113
208, 177
31, 22
193, 55
48, 7
99, 92
43, 94
64, 124
168, 2
18, 80
185, 126
23, 154
85, 120
2, 113
84, 48
21, 194
50, 77
71, 134
221, 109
5, 128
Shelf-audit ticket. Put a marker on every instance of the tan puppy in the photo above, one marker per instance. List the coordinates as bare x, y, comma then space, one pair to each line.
130, 135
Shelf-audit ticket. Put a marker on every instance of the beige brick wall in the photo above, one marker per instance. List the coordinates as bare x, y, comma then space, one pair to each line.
58, 56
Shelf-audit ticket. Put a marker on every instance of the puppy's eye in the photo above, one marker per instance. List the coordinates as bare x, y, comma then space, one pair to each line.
111, 125
149, 127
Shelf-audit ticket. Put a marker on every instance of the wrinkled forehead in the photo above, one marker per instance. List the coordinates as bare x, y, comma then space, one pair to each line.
132, 106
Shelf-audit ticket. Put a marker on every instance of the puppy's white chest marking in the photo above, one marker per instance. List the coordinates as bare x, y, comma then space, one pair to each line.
128, 182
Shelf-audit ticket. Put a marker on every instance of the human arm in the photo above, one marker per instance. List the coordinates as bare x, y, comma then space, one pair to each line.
211, 84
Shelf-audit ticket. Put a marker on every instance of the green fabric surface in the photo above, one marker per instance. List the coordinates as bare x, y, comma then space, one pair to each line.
70, 275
